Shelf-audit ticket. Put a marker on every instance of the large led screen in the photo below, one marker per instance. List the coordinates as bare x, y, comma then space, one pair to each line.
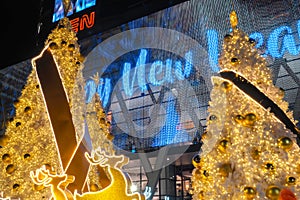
155, 71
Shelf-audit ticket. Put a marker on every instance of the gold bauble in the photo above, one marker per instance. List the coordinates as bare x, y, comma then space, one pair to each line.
239, 119
226, 86
269, 166
6, 158
196, 161
213, 117
53, 45
10, 168
225, 169
27, 109
290, 180
249, 192
94, 187
234, 61
273, 192
3, 140
205, 173
252, 41
227, 37
285, 143
250, 119
255, 154
223, 144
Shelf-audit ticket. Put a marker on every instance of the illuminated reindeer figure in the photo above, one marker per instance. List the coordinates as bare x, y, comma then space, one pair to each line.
58, 183
118, 186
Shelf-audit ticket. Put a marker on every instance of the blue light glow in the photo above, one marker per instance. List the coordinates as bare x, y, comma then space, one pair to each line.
138, 69
288, 42
156, 68
212, 40
103, 89
169, 133
75, 6
168, 76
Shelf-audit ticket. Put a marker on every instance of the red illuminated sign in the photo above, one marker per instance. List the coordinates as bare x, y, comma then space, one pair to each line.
85, 21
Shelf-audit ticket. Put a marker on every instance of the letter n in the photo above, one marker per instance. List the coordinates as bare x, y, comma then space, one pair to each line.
87, 21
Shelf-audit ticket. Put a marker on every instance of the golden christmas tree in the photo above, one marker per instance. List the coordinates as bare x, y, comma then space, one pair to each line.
249, 148
28, 142
57, 147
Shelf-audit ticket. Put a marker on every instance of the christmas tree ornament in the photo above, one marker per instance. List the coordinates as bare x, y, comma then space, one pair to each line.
285, 143
196, 161
234, 61
239, 119
290, 180
269, 167
6, 158
226, 85
249, 120
252, 41
273, 192
223, 145
10, 168
287, 194
213, 118
227, 37
249, 192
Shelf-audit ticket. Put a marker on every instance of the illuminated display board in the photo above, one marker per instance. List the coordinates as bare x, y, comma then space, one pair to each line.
75, 6
166, 59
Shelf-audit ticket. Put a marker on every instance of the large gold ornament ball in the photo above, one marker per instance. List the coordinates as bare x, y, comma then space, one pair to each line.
273, 192
250, 119
249, 192
196, 161
223, 145
3, 140
285, 143
225, 169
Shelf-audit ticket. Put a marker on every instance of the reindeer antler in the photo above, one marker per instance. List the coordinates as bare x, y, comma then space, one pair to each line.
41, 176
97, 157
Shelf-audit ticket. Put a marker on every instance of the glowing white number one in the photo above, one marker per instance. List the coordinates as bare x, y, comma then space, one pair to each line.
147, 192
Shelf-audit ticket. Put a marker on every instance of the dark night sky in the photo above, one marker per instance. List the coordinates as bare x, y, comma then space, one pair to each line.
19, 21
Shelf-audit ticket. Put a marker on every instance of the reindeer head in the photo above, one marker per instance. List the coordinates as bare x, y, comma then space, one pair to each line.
47, 178
99, 157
